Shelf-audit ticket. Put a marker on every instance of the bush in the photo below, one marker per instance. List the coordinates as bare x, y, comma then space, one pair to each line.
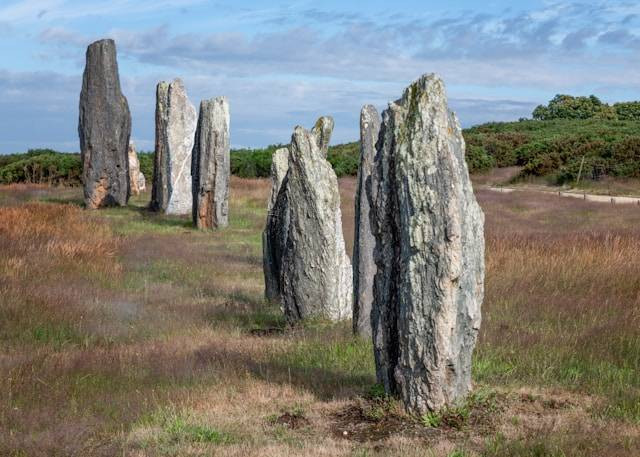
47, 168
478, 159
146, 165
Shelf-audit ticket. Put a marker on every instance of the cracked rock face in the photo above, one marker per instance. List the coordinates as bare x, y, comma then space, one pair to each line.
104, 127
364, 267
175, 128
429, 252
274, 236
316, 275
136, 178
211, 165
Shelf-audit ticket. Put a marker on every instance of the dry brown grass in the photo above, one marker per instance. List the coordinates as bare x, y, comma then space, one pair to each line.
126, 333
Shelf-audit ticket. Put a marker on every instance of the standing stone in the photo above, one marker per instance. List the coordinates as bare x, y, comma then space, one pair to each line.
322, 131
364, 267
316, 275
211, 165
429, 252
104, 128
136, 178
175, 129
274, 236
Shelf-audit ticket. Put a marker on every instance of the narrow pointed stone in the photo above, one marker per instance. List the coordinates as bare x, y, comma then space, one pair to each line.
364, 267
322, 131
137, 181
429, 253
211, 165
316, 275
175, 128
104, 127
274, 236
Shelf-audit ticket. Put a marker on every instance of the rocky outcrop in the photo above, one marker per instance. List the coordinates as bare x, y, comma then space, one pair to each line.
104, 127
322, 131
274, 236
211, 165
137, 183
316, 276
429, 252
364, 267
175, 128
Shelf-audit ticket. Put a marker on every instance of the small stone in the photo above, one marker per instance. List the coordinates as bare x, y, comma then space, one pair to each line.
211, 165
104, 127
429, 253
136, 178
322, 131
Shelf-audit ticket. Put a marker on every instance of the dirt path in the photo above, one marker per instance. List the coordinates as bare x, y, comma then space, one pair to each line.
614, 200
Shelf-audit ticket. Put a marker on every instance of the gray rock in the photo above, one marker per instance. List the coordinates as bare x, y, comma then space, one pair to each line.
364, 267
316, 275
274, 236
104, 127
429, 253
211, 165
137, 182
175, 128
322, 130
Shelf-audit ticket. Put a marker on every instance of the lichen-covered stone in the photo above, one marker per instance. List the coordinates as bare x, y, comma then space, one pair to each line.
211, 165
136, 178
274, 236
175, 128
104, 127
322, 131
364, 267
316, 275
429, 252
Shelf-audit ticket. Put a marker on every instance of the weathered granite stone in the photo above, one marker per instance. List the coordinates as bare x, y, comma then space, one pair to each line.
175, 128
104, 127
429, 252
364, 267
322, 130
274, 236
316, 275
137, 182
211, 165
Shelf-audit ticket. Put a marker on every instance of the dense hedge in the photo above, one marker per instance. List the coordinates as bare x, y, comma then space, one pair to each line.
569, 107
41, 167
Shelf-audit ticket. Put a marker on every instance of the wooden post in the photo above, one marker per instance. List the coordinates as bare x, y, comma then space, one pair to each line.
580, 170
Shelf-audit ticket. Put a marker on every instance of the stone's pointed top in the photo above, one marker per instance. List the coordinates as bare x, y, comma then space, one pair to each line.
368, 114
103, 42
322, 130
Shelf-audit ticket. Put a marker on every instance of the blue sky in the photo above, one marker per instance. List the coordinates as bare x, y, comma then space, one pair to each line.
286, 63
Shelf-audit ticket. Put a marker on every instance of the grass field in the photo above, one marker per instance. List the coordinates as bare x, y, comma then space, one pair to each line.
128, 333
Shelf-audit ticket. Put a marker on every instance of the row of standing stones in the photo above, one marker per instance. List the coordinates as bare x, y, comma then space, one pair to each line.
191, 163
417, 280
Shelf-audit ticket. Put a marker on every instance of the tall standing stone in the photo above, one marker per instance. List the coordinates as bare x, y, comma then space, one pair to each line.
316, 275
274, 236
322, 131
211, 165
175, 128
364, 267
429, 252
104, 127
137, 182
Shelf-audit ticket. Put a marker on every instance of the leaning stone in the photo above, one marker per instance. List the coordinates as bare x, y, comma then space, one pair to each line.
429, 253
136, 178
274, 236
322, 131
364, 267
316, 276
104, 128
211, 165
175, 129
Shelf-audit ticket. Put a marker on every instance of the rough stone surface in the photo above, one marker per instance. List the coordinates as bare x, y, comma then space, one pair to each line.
175, 128
322, 131
316, 275
274, 236
429, 252
136, 178
104, 127
364, 267
211, 165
